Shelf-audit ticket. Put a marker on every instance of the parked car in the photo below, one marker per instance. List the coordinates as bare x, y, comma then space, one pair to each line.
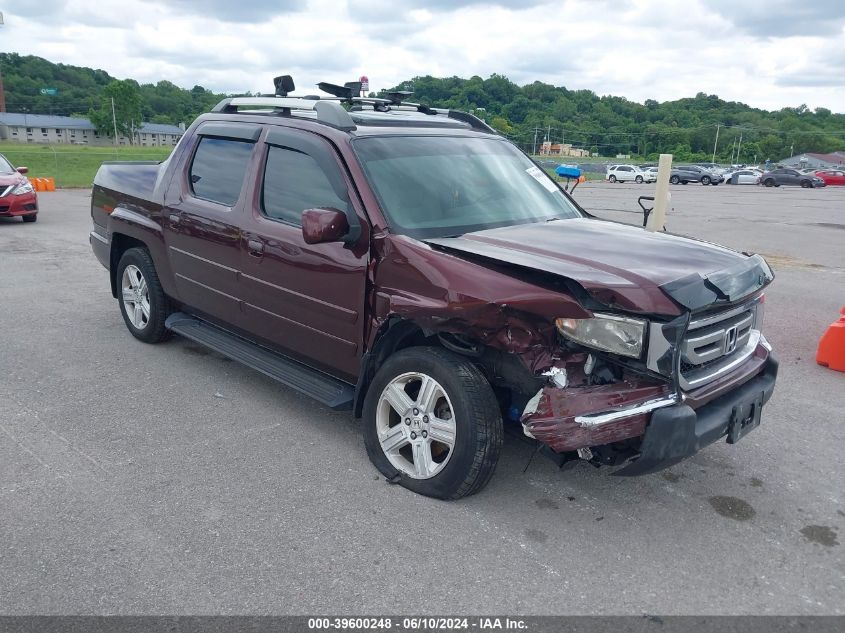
302, 242
831, 176
693, 173
17, 195
743, 177
628, 173
786, 176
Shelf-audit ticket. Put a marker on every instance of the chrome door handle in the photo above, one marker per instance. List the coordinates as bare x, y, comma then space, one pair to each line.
255, 247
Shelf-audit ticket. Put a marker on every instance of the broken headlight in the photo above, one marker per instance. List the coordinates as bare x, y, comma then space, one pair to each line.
608, 332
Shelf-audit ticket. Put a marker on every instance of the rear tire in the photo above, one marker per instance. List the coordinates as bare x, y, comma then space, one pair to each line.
29, 218
612, 178
143, 304
769, 182
638, 180
674, 180
446, 440
806, 184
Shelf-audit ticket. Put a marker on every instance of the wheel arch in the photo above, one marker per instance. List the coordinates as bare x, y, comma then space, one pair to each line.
505, 372
120, 243
394, 334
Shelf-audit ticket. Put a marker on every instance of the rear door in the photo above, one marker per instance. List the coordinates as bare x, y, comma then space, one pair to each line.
203, 220
306, 299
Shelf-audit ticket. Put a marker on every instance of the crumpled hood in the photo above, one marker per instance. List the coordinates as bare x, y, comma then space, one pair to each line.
620, 265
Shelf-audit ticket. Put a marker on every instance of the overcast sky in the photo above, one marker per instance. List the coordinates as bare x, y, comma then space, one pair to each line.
769, 54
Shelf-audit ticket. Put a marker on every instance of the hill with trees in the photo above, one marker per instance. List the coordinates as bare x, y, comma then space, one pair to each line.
607, 125
612, 125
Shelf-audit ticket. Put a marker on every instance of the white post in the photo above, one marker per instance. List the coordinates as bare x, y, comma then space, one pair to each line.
661, 194
718, 125
114, 120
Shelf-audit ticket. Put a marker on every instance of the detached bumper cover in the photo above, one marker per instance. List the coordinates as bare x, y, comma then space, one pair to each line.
677, 432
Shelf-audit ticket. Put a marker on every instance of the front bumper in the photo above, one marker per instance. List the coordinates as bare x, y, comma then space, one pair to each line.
662, 426
14, 205
677, 432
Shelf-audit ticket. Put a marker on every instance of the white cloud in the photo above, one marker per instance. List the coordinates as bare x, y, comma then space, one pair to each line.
770, 57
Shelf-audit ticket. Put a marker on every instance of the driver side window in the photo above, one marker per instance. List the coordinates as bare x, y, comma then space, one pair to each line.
294, 182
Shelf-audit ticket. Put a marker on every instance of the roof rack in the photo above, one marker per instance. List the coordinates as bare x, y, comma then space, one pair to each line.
329, 111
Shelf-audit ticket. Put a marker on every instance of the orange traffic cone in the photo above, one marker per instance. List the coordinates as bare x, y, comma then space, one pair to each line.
832, 345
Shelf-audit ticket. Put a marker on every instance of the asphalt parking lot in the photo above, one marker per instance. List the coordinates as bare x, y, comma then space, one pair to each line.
167, 480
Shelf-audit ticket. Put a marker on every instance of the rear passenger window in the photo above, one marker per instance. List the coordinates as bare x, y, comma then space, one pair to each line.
294, 182
217, 172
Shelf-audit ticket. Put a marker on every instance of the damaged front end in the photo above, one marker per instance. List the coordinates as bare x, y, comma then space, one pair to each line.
600, 364
702, 376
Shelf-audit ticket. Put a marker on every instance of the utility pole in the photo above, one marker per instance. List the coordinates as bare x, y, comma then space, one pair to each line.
534, 153
739, 146
718, 125
114, 120
792, 149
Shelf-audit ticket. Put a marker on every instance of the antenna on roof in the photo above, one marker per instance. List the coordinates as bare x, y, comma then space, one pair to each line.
284, 85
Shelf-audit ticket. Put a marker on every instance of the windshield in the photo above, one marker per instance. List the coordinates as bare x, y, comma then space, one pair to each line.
5, 166
438, 186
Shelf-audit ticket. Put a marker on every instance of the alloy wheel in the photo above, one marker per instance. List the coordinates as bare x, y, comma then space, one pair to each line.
135, 296
415, 425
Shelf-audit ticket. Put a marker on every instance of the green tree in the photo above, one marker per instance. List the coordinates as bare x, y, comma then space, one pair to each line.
126, 116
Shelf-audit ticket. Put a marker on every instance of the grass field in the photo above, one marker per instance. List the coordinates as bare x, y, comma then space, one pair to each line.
73, 165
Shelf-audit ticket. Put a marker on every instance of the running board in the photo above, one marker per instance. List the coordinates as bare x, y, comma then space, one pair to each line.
322, 387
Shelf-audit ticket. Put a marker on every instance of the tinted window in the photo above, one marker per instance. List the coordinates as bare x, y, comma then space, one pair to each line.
5, 166
217, 172
294, 182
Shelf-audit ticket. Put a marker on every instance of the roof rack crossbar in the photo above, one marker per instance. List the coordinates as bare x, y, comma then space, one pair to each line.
329, 111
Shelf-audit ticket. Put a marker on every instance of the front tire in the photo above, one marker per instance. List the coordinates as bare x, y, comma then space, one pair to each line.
674, 180
638, 180
769, 182
705, 180
432, 423
806, 184
143, 304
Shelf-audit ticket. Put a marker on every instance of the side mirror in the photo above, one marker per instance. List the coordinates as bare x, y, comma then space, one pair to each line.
23, 170
323, 225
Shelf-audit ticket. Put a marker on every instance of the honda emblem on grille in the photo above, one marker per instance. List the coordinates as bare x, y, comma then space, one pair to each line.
729, 342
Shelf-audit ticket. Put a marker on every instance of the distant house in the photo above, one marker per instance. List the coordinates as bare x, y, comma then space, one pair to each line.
815, 161
561, 149
45, 128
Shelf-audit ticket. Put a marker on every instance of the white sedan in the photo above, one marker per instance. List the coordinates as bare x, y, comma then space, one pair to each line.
743, 177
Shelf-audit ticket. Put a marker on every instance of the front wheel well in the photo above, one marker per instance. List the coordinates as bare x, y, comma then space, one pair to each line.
506, 373
394, 335
120, 243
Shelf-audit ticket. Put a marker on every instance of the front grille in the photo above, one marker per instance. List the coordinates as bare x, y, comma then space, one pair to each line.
715, 344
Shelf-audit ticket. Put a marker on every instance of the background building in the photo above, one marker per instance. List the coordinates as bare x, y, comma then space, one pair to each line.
815, 161
44, 128
561, 149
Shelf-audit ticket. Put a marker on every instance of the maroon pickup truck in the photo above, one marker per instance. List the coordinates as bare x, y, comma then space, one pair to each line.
408, 263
